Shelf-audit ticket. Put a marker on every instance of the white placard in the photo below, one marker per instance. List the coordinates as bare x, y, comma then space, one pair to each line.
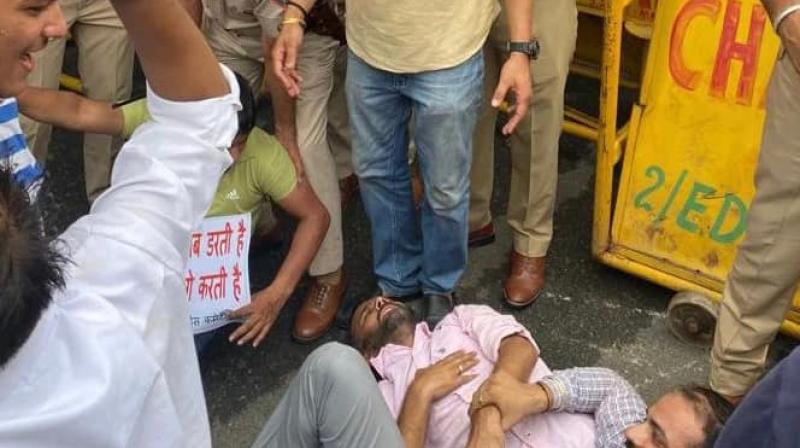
216, 276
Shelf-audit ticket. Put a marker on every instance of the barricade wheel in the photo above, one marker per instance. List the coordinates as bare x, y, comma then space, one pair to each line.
692, 317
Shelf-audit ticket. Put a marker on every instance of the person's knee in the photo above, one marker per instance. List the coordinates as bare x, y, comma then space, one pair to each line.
448, 195
337, 361
443, 201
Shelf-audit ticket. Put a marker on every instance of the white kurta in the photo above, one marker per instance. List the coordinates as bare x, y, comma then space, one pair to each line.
112, 361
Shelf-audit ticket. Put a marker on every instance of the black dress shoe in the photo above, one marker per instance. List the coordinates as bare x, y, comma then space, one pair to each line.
437, 306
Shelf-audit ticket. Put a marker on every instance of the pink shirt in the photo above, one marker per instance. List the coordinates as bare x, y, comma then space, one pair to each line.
480, 329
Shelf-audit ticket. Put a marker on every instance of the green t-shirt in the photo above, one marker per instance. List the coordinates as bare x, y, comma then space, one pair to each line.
263, 171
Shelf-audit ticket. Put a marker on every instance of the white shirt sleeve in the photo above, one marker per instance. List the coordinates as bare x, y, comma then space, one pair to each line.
161, 186
131, 249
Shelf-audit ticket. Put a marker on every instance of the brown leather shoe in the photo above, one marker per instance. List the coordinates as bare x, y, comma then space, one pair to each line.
348, 188
482, 236
318, 311
525, 280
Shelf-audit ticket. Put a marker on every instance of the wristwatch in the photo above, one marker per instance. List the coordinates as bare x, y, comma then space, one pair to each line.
530, 48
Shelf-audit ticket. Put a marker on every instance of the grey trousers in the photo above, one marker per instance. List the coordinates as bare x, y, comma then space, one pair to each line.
333, 401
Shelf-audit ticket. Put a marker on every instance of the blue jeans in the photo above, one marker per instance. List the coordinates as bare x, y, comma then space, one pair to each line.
414, 253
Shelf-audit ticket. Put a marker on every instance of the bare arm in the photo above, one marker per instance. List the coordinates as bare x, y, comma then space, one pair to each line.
70, 111
313, 221
286, 48
516, 358
165, 176
520, 14
413, 418
429, 385
172, 50
515, 73
261, 313
283, 109
195, 10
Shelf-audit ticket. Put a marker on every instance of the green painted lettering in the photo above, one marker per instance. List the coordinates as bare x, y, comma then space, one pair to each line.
737, 231
671, 198
640, 199
692, 205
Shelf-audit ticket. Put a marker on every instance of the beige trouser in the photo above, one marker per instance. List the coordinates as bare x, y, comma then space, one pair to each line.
764, 276
320, 117
534, 144
105, 63
323, 131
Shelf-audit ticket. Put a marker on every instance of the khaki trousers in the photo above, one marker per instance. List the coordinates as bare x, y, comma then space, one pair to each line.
320, 118
322, 131
534, 144
105, 63
764, 276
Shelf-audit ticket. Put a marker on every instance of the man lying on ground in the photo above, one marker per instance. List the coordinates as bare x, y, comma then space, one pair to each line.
262, 171
97, 351
475, 381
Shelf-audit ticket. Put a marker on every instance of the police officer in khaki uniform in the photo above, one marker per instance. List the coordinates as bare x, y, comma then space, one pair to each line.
105, 63
534, 149
766, 270
314, 127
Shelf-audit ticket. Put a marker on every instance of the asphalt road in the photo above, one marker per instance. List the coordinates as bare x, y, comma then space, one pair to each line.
589, 314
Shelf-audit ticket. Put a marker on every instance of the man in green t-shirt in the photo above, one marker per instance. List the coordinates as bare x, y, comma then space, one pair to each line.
262, 171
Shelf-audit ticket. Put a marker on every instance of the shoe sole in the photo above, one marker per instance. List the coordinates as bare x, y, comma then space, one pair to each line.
517, 305
482, 241
306, 341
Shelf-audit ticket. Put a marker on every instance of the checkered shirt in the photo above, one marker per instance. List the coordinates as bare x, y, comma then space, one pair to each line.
592, 390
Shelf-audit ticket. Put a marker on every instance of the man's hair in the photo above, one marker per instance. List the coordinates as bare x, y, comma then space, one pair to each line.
246, 116
30, 269
712, 407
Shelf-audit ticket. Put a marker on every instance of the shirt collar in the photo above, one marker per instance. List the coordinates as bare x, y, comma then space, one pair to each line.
392, 354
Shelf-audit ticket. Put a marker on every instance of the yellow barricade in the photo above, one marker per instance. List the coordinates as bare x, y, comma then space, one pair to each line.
691, 152
641, 12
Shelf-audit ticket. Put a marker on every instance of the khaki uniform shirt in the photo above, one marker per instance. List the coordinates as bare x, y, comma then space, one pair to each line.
412, 36
242, 24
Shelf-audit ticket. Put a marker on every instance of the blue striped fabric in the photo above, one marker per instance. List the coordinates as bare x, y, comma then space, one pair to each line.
8, 110
14, 153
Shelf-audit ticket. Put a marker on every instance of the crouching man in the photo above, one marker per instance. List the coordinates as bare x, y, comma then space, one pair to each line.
475, 380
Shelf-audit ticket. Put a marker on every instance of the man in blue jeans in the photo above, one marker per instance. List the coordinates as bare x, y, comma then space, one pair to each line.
422, 56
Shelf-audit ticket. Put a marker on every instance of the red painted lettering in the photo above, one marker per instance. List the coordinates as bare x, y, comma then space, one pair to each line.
747, 53
684, 76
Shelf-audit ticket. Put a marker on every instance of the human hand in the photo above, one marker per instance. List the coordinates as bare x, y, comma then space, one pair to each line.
284, 58
447, 375
486, 429
789, 32
513, 398
260, 314
514, 76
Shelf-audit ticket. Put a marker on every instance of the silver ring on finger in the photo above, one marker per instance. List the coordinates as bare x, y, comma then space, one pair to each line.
460, 369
